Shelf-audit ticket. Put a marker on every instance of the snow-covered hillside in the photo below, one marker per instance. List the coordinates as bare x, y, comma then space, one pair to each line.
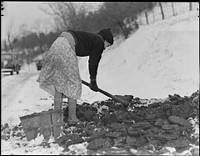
157, 60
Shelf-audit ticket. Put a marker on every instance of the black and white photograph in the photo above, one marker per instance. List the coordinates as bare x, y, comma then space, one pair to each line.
99, 78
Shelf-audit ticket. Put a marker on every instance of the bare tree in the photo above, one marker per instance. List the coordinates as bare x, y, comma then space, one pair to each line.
10, 34
146, 15
60, 13
173, 9
190, 6
161, 9
72, 14
66, 14
4, 46
53, 10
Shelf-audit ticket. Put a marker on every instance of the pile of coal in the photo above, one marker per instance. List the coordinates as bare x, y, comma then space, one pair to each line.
143, 124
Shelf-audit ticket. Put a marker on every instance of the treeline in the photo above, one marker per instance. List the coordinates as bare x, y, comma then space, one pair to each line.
121, 17
33, 40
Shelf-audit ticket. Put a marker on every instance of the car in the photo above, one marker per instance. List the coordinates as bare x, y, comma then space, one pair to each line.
39, 64
10, 63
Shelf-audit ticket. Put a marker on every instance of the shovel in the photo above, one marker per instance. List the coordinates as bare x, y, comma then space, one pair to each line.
115, 98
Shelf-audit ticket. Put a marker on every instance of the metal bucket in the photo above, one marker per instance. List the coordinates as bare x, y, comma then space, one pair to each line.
46, 123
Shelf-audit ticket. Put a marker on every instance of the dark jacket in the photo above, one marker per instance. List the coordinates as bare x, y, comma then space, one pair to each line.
89, 44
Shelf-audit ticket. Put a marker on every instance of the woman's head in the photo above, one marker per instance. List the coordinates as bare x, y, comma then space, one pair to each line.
107, 36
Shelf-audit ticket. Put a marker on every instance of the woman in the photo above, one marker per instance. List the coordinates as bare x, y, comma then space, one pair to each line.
60, 73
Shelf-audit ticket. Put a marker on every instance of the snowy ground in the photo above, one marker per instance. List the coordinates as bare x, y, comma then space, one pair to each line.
157, 60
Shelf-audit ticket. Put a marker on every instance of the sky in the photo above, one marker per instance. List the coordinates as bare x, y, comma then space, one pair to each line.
18, 13
155, 61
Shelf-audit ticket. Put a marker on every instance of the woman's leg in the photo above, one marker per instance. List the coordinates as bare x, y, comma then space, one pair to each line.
72, 109
57, 100
58, 117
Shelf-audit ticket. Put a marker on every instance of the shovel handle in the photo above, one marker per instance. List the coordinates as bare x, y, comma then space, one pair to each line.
117, 99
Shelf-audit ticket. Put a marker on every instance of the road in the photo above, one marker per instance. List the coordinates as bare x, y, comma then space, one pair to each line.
21, 95
11, 87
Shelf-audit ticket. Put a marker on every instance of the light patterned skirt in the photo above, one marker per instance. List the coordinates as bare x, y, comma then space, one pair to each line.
60, 70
